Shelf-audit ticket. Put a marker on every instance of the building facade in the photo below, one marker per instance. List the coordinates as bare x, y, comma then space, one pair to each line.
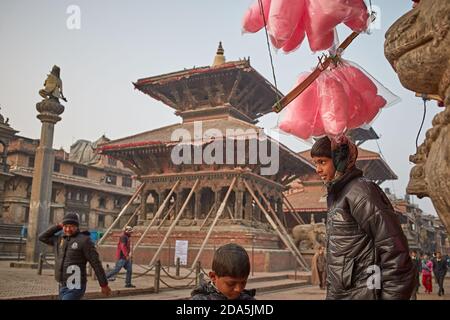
93, 186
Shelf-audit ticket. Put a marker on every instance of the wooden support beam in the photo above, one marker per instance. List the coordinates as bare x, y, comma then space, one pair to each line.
157, 214
235, 86
274, 226
207, 216
230, 213
298, 217
216, 218
138, 208
174, 223
166, 216
283, 229
293, 213
122, 212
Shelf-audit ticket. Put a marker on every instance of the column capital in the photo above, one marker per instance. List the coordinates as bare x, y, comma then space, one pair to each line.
49, 110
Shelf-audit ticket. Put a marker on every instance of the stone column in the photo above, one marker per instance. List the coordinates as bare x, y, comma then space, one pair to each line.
280, 212
216, 200
198, 204
248, 206
238, 204
41, 190
143, 213
178, 202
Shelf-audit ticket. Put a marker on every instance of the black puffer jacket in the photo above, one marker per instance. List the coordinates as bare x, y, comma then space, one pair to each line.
363, 231
76, 250
207, 291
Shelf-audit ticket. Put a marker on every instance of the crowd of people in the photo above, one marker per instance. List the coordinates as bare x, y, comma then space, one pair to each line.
428, 267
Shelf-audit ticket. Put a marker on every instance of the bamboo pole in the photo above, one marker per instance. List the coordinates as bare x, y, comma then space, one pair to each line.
207, 216
296, 215
216, 218
133, 215
174, 223
292, 213
160, 209
283, 229
122, 212
230, 213
166, 216
274, 226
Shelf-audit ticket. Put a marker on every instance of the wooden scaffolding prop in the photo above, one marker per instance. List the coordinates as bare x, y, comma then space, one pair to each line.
157, 214
174, 223
207, 216
136, 211
292, 210
166, 216
216, 218
283, 229
284, 236
122, 212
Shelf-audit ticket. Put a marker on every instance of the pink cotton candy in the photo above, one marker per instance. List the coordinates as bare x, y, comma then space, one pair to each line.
320, 17
333, 105
301, 114
317, 39
355, 111
327, 14
360, 82
374, 108
253, 20
297, 37
284, 17
364, 109
359, 19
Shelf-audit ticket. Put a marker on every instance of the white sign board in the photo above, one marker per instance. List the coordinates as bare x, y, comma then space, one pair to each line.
181, 251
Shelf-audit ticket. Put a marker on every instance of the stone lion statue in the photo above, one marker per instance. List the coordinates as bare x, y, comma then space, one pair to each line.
418, 48
309, 236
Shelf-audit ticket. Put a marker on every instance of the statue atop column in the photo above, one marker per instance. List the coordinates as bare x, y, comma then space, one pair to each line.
49, 110
53, 88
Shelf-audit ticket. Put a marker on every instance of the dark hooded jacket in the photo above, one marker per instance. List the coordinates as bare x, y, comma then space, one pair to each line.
207, 291
364, 236
75, 250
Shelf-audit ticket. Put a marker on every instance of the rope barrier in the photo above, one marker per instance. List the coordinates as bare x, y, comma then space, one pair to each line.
177, 287
177, 277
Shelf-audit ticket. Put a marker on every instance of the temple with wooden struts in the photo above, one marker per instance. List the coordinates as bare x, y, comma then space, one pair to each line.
215, 177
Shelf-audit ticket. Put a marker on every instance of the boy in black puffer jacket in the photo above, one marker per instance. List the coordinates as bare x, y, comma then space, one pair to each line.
73, 249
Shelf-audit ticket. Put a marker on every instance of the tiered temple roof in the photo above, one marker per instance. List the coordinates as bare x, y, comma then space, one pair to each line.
224, 96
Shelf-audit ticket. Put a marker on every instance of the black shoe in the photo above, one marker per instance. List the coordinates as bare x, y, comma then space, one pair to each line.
130, 286
111, 279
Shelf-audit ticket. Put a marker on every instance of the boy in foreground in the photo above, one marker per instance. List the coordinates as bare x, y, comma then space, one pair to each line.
230, 270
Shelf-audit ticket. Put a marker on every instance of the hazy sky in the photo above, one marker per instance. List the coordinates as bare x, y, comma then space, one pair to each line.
121, 41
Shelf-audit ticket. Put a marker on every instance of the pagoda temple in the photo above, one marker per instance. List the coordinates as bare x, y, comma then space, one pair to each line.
215, 177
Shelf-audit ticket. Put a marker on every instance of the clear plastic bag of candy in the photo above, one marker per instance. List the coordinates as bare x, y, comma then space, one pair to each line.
342, 98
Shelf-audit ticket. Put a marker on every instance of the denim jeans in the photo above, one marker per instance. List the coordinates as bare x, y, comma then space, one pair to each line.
71, 294
122, 263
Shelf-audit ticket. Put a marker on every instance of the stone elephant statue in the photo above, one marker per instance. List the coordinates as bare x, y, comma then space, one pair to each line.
312, 234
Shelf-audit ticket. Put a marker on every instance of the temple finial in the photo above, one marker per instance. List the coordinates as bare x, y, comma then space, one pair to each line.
219, 58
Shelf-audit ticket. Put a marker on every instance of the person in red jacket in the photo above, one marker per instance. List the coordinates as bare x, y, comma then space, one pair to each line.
123, 256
